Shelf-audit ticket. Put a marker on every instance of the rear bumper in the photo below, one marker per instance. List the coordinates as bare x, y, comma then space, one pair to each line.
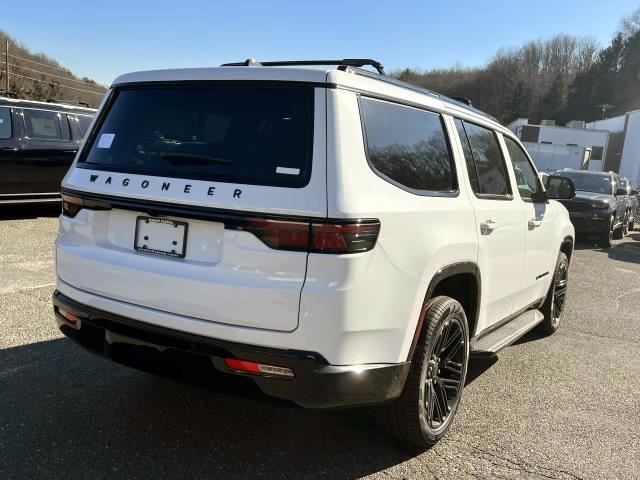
316, 384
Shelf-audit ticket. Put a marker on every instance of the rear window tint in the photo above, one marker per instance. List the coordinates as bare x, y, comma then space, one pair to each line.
407, 146
251, 135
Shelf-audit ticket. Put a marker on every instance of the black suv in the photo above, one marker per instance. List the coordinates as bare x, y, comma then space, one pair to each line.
38, 141
599, 209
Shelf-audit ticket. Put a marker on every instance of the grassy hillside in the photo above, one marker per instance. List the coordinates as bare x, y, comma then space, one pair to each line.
36, 76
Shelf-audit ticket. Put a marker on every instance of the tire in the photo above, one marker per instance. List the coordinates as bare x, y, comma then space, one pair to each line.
553, 306
618, 233
606, 239
412, 418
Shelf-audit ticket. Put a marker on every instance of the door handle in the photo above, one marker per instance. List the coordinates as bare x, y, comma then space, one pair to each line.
487, 227
533, 223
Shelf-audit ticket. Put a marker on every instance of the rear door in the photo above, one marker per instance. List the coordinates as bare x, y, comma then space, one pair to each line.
10, 177
538, 223
499, 221
225, 171
47, 152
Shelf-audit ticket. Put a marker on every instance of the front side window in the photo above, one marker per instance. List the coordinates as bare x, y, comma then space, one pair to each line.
260, 135
43, 125
5, 123
483, 150
526, 178
407, 146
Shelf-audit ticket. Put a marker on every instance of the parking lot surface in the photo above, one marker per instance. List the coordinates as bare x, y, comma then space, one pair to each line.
564, 407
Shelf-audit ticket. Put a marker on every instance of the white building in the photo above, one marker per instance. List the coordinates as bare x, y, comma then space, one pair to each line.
630, 158
553, 147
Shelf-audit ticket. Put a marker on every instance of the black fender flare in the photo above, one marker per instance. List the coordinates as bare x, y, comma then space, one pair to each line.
442, 274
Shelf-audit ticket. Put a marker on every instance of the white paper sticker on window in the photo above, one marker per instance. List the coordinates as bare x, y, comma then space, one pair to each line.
106, 139
288, 171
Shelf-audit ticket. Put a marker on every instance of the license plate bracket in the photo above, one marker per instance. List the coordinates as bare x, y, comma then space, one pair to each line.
161, 236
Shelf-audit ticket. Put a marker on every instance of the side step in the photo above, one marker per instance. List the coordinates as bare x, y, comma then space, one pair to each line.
491, 343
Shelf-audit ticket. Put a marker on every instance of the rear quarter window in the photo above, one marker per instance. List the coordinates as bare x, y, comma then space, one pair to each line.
5, 123
258, 135
407, 146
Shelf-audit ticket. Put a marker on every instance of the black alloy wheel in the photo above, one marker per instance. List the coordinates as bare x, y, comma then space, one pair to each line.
553, 306
425, 409
444, 373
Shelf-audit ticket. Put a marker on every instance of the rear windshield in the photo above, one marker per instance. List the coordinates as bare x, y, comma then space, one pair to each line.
251, 135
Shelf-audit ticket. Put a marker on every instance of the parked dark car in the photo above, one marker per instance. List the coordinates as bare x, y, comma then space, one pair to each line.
632, 204
636, 193
599, 209
38, 141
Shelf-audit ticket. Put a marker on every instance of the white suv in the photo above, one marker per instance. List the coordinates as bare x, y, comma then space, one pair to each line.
337, 236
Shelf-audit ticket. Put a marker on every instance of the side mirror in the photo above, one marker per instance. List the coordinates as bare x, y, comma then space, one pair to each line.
621, 192
634, 192
560, 188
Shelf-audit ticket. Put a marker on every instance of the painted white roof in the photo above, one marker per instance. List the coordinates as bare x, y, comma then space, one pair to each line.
225, 73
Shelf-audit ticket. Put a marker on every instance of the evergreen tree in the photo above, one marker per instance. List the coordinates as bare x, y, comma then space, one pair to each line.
555, 99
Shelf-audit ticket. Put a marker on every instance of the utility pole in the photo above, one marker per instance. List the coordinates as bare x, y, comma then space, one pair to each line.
6, 67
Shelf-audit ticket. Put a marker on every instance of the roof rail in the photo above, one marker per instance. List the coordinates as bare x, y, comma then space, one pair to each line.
349, 62
464, 100
70, 102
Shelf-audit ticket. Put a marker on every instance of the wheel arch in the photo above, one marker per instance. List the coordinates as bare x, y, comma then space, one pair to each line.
566, 247
461, 281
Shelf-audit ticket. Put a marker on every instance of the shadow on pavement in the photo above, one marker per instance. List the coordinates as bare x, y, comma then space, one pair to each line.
14, 212
67, 413
627, 251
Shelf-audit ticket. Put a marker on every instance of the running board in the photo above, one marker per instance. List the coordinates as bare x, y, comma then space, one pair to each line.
491, 343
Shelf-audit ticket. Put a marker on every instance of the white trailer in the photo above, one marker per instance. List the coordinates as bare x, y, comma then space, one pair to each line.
549, 158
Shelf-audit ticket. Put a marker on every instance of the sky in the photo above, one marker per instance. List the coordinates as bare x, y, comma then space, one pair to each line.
101, 40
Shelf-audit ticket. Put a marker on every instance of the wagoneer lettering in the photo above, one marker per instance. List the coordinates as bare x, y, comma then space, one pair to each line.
336, 237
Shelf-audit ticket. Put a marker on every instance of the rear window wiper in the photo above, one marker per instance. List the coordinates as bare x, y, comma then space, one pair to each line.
190, 158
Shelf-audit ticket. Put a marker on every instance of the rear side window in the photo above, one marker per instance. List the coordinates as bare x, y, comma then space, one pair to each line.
483, 157
252, 135
43, 124
407, 146
83, 122
5, 122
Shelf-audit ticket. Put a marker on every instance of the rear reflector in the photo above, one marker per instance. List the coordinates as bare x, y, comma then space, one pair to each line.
340, 237
69, 317
258, 368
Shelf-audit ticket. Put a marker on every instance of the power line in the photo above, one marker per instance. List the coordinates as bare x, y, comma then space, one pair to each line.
56, 76
57, 84
39, 63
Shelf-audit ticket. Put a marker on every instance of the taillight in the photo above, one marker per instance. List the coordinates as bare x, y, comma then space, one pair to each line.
330, 237
281, 234
344, 237
72, 204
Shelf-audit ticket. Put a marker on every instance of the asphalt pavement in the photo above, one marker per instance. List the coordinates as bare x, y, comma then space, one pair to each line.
565, 407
